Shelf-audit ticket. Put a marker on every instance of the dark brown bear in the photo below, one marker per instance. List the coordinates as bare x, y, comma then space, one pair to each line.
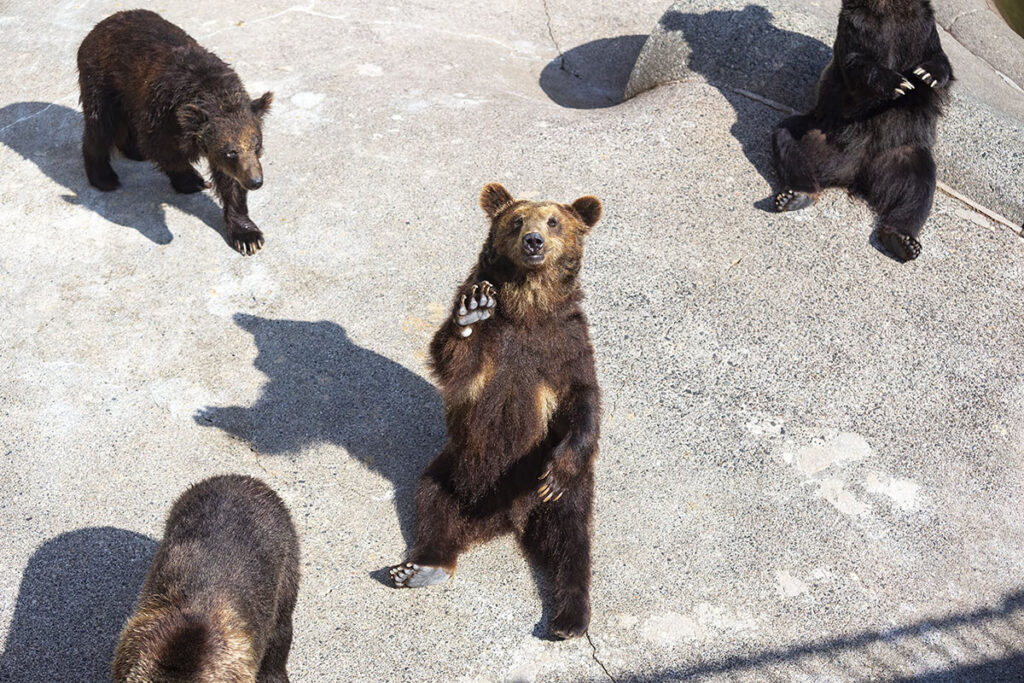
153, 92
522, 406
217, 603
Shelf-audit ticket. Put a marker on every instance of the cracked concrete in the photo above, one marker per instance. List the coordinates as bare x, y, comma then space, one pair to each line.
810, 458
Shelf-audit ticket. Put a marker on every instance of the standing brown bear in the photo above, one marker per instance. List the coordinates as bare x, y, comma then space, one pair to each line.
153, 92
217, 603
522, 406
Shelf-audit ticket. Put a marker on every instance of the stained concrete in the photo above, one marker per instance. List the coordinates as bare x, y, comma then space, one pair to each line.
811, 457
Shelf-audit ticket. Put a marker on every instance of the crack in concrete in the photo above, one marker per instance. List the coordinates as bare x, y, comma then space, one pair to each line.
599, 662
551, 34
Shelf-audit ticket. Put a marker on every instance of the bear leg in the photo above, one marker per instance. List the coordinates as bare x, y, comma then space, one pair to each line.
805, 162
443, 531
97, 138
900, 186
243, 234
184, 177
129, 145
275, 659
557, 537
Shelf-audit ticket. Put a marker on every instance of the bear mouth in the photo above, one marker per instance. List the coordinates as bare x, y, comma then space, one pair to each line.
533, 259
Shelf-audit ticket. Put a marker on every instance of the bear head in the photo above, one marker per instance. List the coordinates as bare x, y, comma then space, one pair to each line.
229, 136
536, 240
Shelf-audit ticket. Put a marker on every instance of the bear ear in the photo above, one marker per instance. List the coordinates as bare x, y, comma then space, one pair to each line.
191, 118
589, 209
494, 199
261, 105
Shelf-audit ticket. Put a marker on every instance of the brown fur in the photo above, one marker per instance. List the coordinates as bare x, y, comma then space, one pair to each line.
522, 406
149, 89
217, 603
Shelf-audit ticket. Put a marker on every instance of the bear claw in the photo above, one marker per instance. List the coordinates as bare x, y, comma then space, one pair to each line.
247, 244
550, 490
926, 77
792, 200
411, 575
903, 247
479, 307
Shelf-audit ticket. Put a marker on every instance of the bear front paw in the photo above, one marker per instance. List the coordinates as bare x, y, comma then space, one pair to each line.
930, 80
553, 488
479, 306
246, 242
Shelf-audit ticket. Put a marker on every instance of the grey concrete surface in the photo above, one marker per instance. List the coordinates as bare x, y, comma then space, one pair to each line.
777, 50
811, 458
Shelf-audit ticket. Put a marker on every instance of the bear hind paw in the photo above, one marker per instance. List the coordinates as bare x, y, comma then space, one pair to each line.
793, 200
411, 575
903, 247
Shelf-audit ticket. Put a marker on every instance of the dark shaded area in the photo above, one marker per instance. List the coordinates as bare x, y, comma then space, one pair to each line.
323, 388
741, 50
593, 75
76, 593
981, 628
50, 136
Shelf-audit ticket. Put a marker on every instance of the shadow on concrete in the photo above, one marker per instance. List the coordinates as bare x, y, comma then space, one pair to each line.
323, 388
741, 50
990, 637
50, 136
593, 75
76, 593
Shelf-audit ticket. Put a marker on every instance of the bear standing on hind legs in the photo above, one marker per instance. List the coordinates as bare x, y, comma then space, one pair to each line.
153, 92
873, 126
516, 371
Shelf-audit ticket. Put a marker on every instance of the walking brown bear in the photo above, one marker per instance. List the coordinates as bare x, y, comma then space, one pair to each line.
873, 126
153, 92
217, 603
522, 405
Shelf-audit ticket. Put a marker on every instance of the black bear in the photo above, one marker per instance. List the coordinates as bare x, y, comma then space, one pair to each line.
522, 406
873, 126
153, 92
218, 599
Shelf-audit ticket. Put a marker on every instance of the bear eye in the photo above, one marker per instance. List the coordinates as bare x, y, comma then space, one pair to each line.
552, 222
231, 154
518, 222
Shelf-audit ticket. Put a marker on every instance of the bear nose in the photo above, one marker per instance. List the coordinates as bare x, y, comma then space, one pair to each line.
255, 183
533, 242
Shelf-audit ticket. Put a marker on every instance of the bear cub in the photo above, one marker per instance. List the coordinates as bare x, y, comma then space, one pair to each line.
153, 92
217, 602
873, 126
516, 372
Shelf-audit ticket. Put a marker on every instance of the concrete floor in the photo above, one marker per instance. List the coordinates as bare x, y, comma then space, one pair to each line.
811, 458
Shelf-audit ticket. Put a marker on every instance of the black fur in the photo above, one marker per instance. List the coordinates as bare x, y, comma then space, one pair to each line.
869, 132
217, 602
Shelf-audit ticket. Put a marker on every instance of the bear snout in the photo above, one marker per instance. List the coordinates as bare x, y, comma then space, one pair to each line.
533, 244
254, 183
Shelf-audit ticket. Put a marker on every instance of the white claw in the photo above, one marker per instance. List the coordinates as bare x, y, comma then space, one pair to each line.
919, 71
466, 331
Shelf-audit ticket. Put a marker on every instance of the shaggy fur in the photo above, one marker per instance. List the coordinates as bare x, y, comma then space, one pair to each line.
873, 126
217, 603
516, 371
153, 92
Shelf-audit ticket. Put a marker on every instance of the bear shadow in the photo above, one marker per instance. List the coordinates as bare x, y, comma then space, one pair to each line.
593, 75
76, 594
50, 136
739, 51
323, 388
